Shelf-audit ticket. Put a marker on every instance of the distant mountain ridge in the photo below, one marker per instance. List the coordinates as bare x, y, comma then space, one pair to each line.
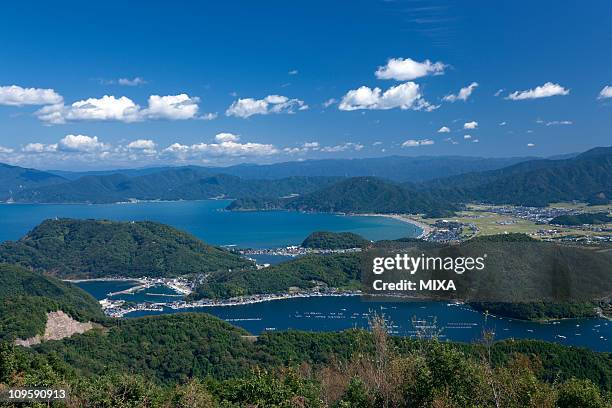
331, 185
14, 179
397, 168
585, 177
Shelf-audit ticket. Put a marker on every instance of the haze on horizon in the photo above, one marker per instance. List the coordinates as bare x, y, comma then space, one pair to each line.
238, 82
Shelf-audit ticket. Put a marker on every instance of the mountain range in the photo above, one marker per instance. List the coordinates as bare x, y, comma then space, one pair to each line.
391, 184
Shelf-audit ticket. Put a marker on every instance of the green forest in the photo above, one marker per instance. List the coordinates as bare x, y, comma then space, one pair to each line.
334, 240
70, 248
143, 363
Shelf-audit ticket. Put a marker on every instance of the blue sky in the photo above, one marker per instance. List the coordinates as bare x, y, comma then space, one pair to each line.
128, 84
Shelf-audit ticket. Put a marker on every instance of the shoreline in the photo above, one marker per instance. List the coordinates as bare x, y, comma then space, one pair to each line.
425, 228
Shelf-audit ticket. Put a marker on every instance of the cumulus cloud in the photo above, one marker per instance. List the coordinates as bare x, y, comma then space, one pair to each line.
81, 143
122, 109
606, 92
416, 143
244, 108
39, 148
530, 145
544, 91
407, 69
293, 72
444, 129
470, 125
6, 150
404, 96
342, 147
172, 107
221, 149
467, 136
463, 94
142, 144
226, 137
14, 95
136, 81
503, 123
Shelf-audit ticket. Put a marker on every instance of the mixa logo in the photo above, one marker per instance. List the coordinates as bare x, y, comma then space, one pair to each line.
403, 262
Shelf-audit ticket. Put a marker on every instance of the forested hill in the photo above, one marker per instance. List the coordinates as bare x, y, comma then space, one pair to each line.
27, 296
70, 248
586, 177
334, 240
172, 184
14, 179
357, 195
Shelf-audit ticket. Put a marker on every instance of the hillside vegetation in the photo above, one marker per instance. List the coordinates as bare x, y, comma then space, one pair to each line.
586, 177
584, 218
27, 296
334, 240
70, 248
334, 270
196, 360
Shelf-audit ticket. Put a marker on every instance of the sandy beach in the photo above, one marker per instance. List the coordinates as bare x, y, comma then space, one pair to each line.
425, 229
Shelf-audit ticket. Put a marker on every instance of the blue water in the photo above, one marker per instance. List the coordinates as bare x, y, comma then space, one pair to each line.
454, 322
208, 221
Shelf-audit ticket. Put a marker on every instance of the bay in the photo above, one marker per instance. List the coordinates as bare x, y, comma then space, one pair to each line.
454, 322
208, 221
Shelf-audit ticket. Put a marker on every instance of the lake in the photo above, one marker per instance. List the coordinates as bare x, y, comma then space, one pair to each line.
207, 221
455, 322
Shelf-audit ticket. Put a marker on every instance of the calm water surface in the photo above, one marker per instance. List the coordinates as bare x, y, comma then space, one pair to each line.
455, 322
207, 220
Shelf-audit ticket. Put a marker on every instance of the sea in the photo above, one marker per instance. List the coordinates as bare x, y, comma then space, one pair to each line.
210, 222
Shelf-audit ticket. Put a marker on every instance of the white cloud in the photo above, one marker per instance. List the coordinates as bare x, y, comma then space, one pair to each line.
172, 107
503, 123
131, 81
39, 148
342, 147
142, 144
329, 102
530, 145
559, 122
122, 109
499, 92
475, 141
14, 95
81, 143
403, 96
470, 125
467, 136
444, 129
6, 150
606, 92
244, 108
402, 69
304, 148
293, 72
226, 137
463, 94
416, 143
222, 149
544, 91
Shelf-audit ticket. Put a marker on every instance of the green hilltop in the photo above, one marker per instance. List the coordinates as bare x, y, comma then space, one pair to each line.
334, 240
70, 248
